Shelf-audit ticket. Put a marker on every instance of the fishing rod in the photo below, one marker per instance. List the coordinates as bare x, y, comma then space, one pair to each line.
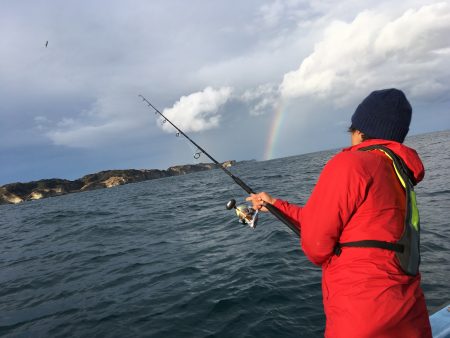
272, 209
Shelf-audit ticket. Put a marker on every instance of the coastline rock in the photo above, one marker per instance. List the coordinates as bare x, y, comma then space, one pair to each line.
15, 193
114, 181
8, 198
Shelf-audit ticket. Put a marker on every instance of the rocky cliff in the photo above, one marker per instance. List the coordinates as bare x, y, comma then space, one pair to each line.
19, 192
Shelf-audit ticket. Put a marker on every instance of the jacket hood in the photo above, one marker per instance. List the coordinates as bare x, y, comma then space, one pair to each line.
408, 155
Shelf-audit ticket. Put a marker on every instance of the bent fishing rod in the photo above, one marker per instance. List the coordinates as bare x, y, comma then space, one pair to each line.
272, 209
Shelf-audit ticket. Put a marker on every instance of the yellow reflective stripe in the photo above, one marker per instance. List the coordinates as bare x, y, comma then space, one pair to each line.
414, 211
396, 170
415, 220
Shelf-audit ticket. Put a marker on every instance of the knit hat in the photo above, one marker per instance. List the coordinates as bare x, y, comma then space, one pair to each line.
384, 114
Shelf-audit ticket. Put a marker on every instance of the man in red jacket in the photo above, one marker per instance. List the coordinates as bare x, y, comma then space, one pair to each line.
360, 199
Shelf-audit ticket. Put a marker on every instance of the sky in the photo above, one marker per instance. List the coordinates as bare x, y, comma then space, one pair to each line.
244, 79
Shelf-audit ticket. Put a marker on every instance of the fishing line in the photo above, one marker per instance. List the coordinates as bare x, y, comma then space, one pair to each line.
273, 210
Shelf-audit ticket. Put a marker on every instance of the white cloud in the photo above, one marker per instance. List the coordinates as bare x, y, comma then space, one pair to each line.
376, 50
115, 118
197, 111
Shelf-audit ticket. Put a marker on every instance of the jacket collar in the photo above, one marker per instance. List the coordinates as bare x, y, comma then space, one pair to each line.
408, 155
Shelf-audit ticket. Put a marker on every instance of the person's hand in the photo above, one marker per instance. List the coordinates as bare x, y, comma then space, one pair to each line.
260, 199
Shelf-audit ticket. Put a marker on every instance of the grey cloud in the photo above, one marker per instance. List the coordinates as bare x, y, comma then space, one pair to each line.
262, 99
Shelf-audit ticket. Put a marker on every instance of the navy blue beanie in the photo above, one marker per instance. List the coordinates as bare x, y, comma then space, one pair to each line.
384, 114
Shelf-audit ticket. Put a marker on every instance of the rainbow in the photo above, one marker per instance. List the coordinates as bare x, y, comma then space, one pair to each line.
273, 132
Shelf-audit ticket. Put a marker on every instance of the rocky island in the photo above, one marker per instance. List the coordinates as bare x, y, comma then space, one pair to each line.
14, 193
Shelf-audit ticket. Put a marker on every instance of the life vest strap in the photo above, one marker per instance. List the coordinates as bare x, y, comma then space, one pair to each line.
370, 244
407, 248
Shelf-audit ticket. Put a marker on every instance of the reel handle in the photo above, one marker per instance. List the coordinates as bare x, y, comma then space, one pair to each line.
231, 204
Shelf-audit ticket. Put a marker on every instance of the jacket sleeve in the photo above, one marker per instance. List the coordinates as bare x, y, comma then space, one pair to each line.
341, 188
292, 211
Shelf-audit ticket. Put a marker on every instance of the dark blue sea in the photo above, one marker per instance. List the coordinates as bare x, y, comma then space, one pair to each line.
164, 258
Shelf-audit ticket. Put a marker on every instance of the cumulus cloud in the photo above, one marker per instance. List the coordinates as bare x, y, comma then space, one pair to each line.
113, 119
377, 50
197, 111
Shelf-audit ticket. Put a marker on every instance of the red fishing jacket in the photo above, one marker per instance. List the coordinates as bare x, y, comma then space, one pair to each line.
359, 197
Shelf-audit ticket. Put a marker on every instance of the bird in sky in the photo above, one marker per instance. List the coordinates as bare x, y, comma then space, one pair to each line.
46, 44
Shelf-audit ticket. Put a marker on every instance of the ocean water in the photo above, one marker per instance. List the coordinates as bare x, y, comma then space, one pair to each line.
164, 258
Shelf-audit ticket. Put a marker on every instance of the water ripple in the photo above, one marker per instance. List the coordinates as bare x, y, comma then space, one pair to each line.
164, 258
